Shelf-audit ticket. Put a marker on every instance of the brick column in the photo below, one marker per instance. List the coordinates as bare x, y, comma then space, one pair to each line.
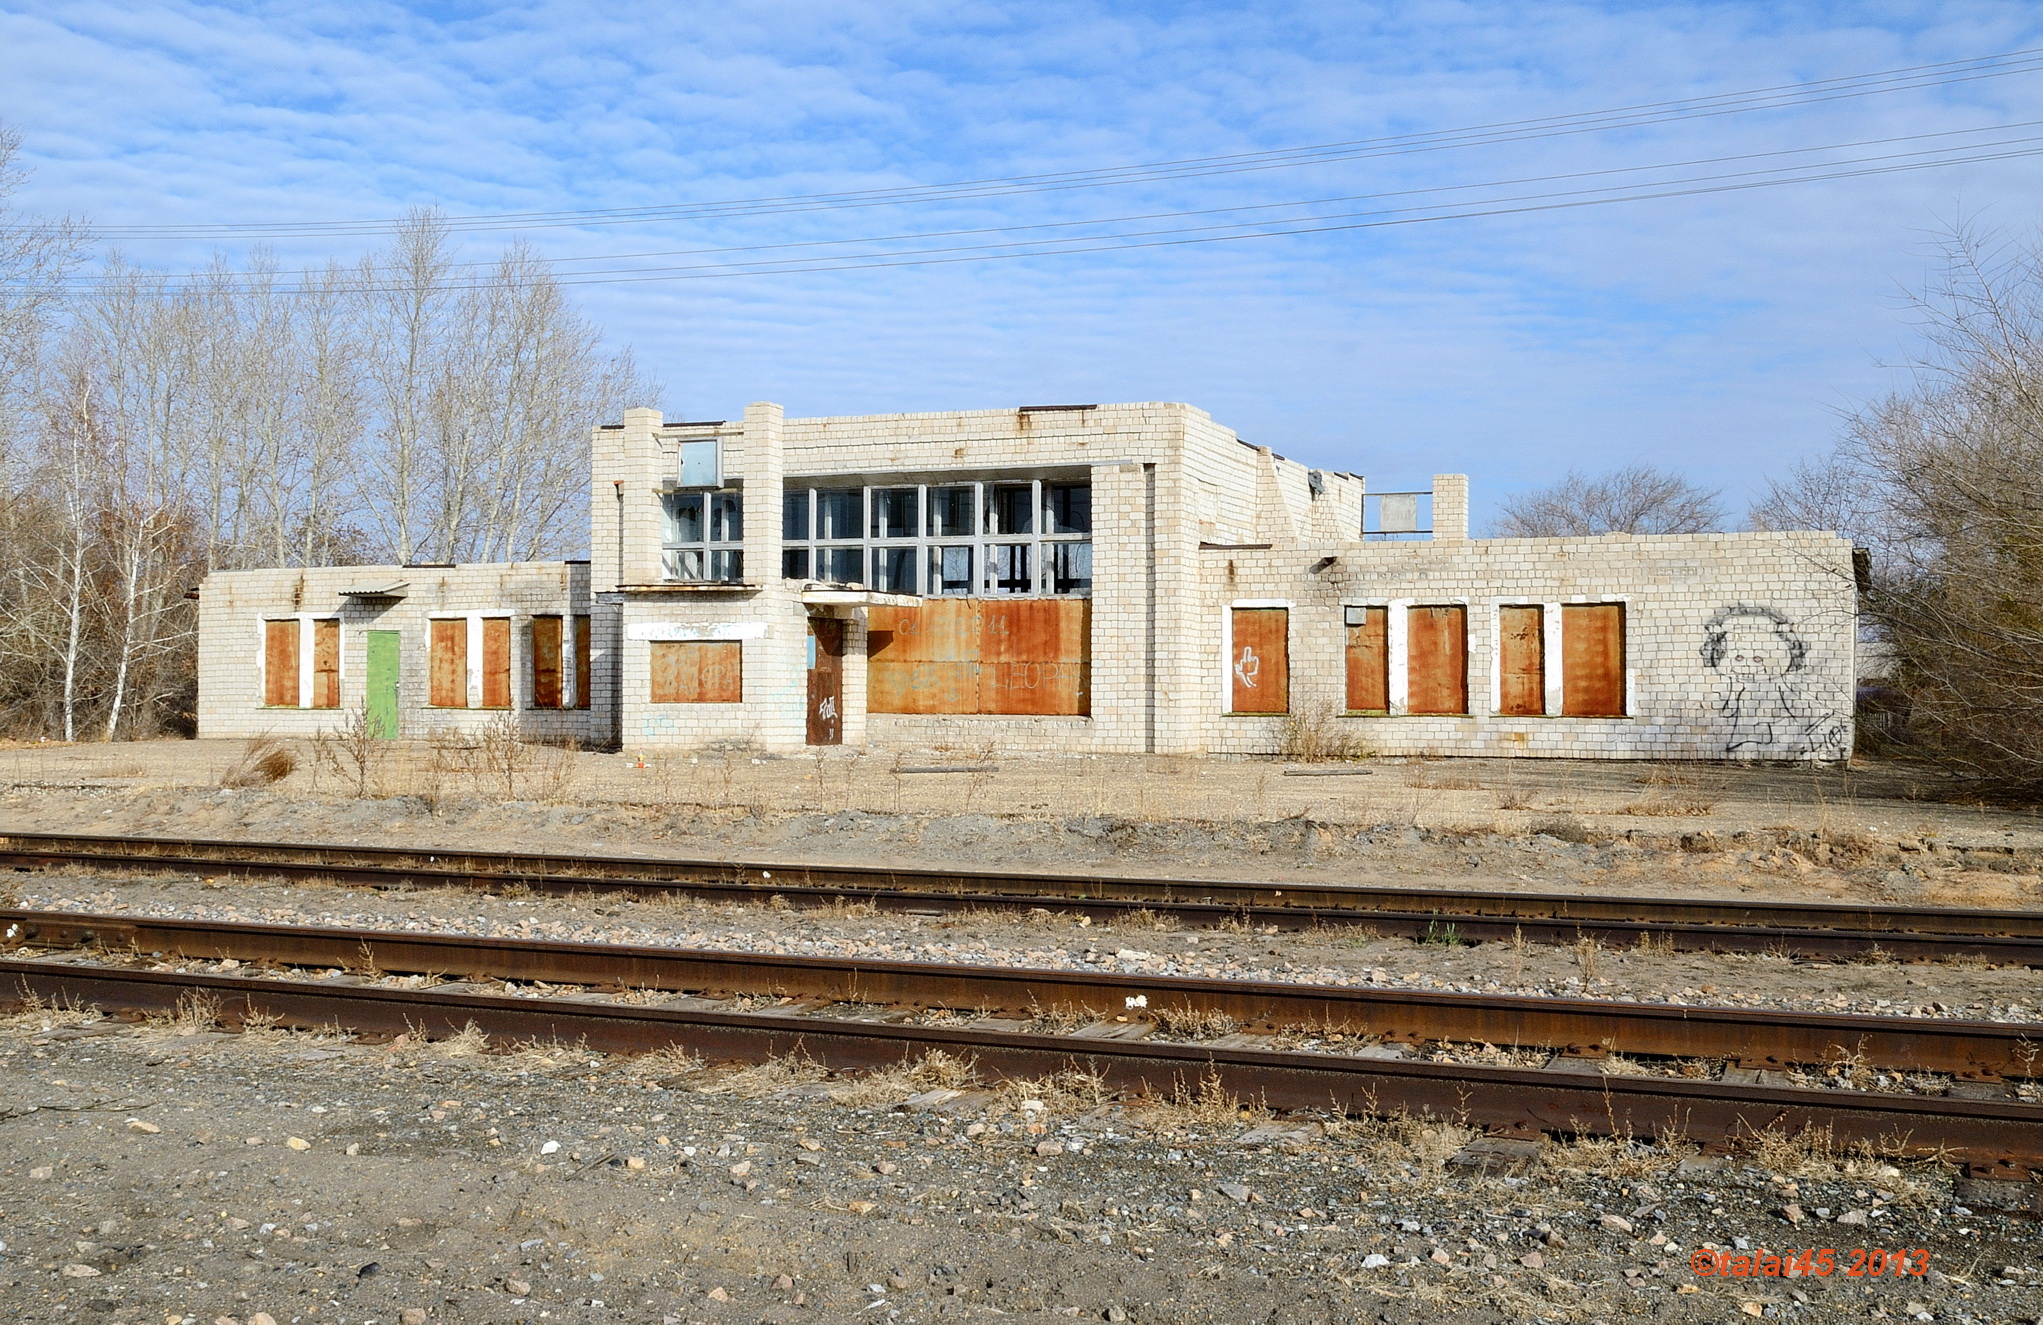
1450, 508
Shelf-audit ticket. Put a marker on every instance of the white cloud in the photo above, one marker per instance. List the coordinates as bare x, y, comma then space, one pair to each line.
1715, 333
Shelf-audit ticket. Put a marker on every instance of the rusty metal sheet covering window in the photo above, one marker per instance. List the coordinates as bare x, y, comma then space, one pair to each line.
1369, 660
698, 672
1028, 657
1592, 660
581, 662
280, 664
496, 662
326, 664
1436, 660
1521, 661
1259, 660
449, 665
546, 662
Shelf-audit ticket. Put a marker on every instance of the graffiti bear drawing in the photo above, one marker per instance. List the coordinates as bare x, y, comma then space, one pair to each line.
1762, 688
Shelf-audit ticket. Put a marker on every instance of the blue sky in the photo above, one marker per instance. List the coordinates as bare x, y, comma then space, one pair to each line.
1716, 334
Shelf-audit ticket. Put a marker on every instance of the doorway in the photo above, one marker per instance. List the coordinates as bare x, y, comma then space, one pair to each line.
826, 681
380, 693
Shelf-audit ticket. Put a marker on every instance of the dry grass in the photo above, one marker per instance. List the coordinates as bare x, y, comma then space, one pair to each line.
1211, 1106
1672, 806
262, 761
1061, 1093
667, 1063
1184, 1023
195, 1014
1613, 1156
935, 1071
761, 1079
1316, 731
469, 1042
33, 1012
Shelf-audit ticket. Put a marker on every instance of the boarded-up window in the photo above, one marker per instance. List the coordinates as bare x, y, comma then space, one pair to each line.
581, 662
1592, 660
496, 662
698, 672
1436, 651
1521, 661
326, 664
546, 662
449, 665
1259, 660
973, 655
280, 664
1368, 659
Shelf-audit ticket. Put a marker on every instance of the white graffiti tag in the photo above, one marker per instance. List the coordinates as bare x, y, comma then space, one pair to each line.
828, 708
1248, 667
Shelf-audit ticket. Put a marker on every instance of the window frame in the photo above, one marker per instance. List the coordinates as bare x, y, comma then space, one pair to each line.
809, 550
713, 551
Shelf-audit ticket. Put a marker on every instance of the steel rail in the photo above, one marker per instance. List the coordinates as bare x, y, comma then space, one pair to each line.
1755, 1038
1814, 929
1988, 1135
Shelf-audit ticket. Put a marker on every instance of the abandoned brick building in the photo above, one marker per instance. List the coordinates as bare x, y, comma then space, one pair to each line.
1111, 578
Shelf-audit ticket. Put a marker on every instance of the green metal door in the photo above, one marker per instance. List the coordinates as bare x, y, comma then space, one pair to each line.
382, 682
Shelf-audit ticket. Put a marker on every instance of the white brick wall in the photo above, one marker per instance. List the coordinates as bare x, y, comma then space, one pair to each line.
1186, 519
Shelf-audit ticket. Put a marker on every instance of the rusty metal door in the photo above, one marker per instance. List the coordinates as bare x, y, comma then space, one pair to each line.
448, 671
1592, 660
496, 662
326, 664
1521, 661
826, 681
1437, 660
1369, 660
280, 664
546, 662
1259, 660
582, 686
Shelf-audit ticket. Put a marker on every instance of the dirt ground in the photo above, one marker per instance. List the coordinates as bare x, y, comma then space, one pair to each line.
171, 1173
1865, 833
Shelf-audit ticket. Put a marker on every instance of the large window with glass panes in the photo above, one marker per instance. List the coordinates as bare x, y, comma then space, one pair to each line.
703, 537
969, 539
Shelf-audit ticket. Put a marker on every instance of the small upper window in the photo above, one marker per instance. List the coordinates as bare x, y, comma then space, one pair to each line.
950, 512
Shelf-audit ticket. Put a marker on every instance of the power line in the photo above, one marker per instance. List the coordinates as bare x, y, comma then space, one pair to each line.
1889, 163
1813, 92
1944, 153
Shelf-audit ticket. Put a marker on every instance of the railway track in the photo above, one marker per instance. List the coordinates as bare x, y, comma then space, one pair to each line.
860, 1015
1805, 929
1979, 1052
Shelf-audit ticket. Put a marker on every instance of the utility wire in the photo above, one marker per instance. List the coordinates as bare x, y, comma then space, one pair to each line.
478, 275
1814, 92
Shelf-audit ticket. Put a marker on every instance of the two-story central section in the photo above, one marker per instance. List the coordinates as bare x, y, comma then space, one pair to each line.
1015, 578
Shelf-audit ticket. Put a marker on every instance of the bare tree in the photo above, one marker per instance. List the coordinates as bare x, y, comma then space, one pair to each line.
154, 428
1636, 500
1953, 478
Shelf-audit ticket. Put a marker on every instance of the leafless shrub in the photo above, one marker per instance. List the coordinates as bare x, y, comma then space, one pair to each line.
1564, 827
263, 760
499, 756
1942, 484
1317, 731
354, 750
